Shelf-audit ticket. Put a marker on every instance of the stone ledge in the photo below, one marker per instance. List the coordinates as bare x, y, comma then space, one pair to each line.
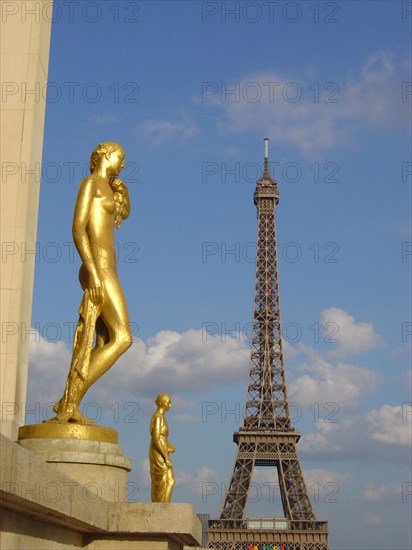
28, 487
156, 518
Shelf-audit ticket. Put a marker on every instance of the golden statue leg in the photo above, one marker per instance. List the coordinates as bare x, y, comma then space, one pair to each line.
170, 483
102, 358
66, 410
112, 327
102, 333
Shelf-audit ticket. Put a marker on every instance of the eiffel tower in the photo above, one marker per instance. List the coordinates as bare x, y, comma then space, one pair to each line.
267, 437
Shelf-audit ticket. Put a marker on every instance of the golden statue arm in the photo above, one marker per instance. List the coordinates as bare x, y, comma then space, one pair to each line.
160, 443
81, 240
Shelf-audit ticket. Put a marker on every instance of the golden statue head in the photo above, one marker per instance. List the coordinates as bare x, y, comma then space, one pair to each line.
163, 400
108, 149
113, 155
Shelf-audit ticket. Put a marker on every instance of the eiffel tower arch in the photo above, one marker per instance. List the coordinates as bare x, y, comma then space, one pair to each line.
267, 437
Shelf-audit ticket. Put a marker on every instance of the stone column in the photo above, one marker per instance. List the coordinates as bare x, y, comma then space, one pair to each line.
25, 42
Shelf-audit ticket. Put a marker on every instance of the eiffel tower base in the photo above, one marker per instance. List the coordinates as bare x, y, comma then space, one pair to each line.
283, 534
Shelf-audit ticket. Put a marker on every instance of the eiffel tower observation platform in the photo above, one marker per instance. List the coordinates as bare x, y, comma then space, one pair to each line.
267, 437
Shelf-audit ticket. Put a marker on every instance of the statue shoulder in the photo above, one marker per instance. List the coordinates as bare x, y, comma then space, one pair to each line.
88, 186
88, 181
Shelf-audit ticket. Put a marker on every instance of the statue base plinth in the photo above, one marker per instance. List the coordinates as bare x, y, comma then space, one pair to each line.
68, 430
98, 465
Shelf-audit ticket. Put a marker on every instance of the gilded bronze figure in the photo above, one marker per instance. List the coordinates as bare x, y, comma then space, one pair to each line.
161, 468
103, 330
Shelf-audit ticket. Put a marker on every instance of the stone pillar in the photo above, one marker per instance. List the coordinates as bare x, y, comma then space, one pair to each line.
25, 42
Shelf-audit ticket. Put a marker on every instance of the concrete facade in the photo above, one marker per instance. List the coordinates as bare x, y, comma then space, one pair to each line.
43, 508
25, 42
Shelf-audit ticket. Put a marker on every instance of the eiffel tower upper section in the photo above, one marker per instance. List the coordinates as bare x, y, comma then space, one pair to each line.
267, 405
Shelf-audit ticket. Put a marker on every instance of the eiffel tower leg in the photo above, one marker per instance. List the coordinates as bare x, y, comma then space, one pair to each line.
295, 498
238, 490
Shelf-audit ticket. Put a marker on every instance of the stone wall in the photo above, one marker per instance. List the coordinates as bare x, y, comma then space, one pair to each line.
25, 42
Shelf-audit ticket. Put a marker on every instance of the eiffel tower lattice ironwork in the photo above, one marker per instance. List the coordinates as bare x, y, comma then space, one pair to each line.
267, 437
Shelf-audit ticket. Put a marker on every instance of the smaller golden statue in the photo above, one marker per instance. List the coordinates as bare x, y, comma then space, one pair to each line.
161, 468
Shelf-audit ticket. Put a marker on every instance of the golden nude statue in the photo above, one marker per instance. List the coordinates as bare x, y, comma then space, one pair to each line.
103, 330
161, 468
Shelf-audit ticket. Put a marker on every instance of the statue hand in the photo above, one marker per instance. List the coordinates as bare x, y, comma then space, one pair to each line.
171, 448
96, 289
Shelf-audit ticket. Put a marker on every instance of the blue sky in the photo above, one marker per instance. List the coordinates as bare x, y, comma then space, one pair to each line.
190, 89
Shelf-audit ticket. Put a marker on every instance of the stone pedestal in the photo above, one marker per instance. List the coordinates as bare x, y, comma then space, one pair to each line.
89, 455
33, 516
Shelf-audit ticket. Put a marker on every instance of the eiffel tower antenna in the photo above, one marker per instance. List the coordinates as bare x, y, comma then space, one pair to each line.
266, 140
267, 437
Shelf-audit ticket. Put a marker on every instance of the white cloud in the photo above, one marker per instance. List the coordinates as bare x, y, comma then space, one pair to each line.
330, 439
369, 98
106, 118
143, 473
160, 131
372, 492
48, 367
47, 355
314, 115
180, 403
196, 483
379, 435
351, 337
331, 392
372, 519
401, 351
186, 361
204, 475
323, 477
390, 425
336, 388
169, 362
291, 352
177, 362
183, 479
